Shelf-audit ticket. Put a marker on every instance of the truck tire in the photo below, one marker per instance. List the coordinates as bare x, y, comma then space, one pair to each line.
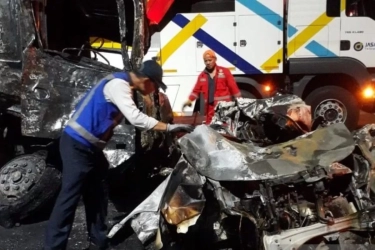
335, 104
27, 183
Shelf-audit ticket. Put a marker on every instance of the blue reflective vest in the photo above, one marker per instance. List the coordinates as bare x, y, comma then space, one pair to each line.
95, 118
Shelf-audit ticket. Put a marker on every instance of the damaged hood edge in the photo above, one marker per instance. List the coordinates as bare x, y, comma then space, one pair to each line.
220, 159
151, 204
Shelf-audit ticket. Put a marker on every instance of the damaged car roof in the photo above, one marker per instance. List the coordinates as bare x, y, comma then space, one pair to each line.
218, 158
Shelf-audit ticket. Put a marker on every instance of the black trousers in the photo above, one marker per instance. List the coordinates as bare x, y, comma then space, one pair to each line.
84, 173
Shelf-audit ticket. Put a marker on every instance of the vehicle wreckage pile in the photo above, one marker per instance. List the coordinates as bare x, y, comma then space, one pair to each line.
264, 176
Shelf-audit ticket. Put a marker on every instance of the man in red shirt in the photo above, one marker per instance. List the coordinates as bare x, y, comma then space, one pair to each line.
216, 83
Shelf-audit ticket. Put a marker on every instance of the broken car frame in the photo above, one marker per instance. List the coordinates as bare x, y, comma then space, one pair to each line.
298, 190
45, 70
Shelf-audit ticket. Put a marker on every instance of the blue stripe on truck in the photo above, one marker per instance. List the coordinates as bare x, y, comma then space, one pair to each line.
218, 47
268, 15
319, 50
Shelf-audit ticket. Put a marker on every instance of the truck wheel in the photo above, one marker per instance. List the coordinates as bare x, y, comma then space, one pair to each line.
335, 104
26, 184
247, 94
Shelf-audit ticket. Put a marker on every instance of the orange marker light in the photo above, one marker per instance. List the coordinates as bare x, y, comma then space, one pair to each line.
368, 92
267, 88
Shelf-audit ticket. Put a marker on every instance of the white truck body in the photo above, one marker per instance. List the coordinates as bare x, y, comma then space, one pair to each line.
258, 39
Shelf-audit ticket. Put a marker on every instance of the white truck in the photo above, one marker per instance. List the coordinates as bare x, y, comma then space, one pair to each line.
320, 50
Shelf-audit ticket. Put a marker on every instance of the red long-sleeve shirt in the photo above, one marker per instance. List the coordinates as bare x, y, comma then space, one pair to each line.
226, 87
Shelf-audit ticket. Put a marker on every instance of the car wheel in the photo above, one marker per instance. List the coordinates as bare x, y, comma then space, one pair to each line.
335, 104
27, 183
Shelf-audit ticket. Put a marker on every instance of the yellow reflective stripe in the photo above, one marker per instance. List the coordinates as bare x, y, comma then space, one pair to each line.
117, 46
308, 33
297, 42
181, 37
107, 44
343, 5
170, 70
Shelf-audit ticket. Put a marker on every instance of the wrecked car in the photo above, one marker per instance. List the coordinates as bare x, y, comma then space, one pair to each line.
45, 70
235, 187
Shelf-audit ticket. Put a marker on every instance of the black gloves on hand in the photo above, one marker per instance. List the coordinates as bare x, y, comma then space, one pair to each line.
179, 128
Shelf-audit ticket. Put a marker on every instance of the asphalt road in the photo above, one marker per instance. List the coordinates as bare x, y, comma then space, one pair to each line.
30, 236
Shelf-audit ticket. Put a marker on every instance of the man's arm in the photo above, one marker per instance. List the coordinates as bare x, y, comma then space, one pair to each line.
194, 93
196, 90
160, 126
120, 94
232, 85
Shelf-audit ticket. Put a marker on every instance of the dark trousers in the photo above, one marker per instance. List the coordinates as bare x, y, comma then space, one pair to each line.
84, 172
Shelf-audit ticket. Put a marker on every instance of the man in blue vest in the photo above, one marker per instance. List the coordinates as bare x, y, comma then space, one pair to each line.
81, 144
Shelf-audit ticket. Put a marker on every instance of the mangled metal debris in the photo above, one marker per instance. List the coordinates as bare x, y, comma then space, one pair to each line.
46, 65
218, 158
180, 199
264, 192
265, 121
148, 215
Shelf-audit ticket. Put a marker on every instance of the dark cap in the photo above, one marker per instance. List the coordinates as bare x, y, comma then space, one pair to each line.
152, 70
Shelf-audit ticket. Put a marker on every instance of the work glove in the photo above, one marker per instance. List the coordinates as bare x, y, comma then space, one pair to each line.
180, 128
187, 103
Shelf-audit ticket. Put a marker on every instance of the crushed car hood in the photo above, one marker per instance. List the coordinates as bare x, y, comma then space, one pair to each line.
220, 159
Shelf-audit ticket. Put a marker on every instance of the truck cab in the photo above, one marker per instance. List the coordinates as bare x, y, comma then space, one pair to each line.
311, 48
320, 50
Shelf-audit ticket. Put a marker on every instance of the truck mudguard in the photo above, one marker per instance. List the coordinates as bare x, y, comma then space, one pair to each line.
342, 65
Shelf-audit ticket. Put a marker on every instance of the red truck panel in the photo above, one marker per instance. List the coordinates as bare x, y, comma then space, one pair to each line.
156, 9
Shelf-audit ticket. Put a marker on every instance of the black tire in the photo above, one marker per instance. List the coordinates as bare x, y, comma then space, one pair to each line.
247, 94
31, 199
340, 97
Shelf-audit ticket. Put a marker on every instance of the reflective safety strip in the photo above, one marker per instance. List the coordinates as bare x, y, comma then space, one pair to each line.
194, 95
221, 98
87, 135
218, 98
81, 130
